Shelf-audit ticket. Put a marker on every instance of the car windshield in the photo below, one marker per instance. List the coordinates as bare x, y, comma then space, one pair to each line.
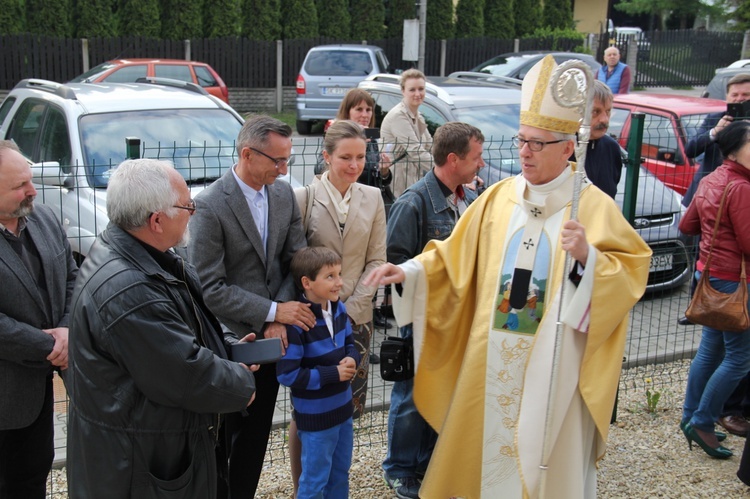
338, 63
498, 123
200, 142
691, 123
93, 73
503, 66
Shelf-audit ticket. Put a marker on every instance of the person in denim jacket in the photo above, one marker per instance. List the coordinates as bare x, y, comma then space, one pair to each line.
429, 209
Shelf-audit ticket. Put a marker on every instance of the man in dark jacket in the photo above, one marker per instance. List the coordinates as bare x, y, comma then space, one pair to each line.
603, 155
738, 90
38, 273
149, 373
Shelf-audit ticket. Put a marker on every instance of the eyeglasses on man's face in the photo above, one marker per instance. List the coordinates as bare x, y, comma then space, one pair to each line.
190, 207
277, 162
534, 145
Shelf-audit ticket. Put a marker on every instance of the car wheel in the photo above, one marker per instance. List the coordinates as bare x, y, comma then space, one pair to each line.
304, 127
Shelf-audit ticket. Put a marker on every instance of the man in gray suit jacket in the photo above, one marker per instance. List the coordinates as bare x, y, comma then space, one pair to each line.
38, 273
243, 235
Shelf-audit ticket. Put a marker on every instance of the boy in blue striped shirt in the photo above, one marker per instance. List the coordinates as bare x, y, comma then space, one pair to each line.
318, 366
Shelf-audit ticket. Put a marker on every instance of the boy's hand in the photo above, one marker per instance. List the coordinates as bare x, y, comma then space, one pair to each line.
347, 369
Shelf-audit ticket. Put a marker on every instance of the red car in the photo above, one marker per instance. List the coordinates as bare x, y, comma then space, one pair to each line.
670, 122
129, 70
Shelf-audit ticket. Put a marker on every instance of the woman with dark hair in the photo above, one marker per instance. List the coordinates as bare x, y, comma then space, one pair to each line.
341, 214
723, 357
358, 106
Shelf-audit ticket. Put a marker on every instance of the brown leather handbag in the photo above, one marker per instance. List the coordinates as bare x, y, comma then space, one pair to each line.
717, 310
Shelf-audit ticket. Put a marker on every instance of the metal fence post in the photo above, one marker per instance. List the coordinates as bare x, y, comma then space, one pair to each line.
132, 147
443, 50
745, 44
635, 141
279, 75
187, 50
85, 53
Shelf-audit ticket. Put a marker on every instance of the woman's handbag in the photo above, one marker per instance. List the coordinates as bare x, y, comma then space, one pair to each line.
712, 308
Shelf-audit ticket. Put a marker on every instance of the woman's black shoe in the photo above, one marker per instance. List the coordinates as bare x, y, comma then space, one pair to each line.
684, 321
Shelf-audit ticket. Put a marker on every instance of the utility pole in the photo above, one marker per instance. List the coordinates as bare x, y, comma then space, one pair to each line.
422, 33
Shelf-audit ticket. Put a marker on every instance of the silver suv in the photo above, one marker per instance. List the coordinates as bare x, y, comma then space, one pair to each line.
75, 134
327, 73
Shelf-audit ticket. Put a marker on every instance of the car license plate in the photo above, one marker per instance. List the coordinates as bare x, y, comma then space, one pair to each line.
334, 90
661, 262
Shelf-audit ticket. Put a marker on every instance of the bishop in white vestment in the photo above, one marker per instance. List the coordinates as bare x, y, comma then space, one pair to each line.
484, 306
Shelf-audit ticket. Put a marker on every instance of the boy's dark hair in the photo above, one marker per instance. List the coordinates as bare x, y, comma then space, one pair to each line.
307, 262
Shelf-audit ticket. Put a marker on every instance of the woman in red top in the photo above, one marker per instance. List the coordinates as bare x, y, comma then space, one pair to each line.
723, 358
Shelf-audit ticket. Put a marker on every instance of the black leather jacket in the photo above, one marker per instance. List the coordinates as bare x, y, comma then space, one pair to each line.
147, 377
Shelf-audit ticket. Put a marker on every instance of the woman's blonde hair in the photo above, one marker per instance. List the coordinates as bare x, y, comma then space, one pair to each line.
409, 74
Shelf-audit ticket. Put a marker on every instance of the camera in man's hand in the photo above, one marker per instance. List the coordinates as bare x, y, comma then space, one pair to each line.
739, 110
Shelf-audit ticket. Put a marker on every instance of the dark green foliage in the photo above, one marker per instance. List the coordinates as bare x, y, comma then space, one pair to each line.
12, 18
469, 18
498, 19
138, 18
261, 19
439, 19
300, 19
558, 14
395, 13
742, 16
181, 19
561, 39
334, 19
94, 18
222, 18
526, 15
368, 20
49, 17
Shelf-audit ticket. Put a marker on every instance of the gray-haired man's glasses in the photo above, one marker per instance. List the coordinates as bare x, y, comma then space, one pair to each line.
190, 207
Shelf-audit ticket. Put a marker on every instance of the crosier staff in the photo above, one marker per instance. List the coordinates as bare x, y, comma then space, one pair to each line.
572, 87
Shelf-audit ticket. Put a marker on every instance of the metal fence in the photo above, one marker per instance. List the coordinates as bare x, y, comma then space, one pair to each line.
677, 58
687, 57
654, 338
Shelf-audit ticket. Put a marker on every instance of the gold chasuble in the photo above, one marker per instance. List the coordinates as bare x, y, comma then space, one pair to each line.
483, 366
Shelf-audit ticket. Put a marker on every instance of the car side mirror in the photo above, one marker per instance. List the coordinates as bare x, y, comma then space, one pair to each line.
50, 173
670, 156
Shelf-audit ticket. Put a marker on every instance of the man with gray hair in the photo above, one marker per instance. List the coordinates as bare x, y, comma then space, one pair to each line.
603, 157
38, 274
149, 375
245, 232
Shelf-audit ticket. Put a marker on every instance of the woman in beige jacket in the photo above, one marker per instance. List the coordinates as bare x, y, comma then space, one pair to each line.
406, 129
349, 218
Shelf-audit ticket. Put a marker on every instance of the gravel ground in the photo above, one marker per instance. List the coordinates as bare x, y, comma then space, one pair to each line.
647, 455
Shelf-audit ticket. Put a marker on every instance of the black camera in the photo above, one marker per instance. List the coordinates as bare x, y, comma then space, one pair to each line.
372, 133
739, 111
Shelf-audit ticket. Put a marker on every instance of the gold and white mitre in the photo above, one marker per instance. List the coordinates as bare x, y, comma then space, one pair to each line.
538, 106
